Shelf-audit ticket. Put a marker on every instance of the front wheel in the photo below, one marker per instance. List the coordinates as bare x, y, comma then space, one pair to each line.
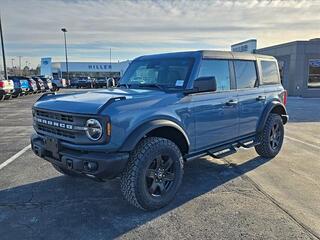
271, 138
153, 174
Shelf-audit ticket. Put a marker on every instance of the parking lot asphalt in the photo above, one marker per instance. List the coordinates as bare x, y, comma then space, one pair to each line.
241, 196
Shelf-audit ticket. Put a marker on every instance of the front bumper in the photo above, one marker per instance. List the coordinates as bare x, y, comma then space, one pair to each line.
6, 91
90, 163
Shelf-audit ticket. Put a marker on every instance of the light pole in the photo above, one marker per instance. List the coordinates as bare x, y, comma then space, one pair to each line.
3, 54
12, 66
64, 30
20, 72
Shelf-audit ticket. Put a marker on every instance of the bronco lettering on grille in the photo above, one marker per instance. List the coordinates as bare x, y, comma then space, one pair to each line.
54, 123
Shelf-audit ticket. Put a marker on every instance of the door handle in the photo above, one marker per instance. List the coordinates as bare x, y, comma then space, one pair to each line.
261, 98
232, 102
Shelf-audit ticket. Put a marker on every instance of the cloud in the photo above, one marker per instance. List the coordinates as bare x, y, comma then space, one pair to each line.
132, 28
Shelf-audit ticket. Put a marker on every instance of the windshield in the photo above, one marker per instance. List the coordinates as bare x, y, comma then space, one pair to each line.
161, 73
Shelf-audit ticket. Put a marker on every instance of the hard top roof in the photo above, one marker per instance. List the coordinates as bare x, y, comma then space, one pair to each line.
208, 54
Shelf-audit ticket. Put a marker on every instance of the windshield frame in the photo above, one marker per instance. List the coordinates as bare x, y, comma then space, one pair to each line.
162, 87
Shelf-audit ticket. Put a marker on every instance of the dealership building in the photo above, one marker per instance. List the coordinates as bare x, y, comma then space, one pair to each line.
299, 64
82, 69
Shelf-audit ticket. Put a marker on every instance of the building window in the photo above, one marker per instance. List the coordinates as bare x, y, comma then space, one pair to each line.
219, 69
314, 73
246, 74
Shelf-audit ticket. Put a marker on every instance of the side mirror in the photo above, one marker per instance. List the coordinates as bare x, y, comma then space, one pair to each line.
205, 84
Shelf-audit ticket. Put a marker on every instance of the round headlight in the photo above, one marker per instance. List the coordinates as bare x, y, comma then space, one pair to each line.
93, 129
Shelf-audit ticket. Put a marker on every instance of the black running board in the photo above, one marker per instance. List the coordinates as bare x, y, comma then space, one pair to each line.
224, 150
222, 153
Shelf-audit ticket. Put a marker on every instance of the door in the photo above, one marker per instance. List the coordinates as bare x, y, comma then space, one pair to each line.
251, 98
215, 113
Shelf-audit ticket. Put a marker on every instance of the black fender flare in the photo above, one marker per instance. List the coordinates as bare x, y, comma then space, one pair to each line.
136, 135
281, 110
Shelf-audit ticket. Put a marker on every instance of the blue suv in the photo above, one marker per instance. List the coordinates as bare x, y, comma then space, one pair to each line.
167, 109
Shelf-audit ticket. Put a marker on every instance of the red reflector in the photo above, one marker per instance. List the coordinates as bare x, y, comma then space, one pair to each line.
285, 94
1, 84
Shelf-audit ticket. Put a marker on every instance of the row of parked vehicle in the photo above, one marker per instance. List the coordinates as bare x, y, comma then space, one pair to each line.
87, 82
17, 86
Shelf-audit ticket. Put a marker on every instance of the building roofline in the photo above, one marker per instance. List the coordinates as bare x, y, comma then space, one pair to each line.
311, 41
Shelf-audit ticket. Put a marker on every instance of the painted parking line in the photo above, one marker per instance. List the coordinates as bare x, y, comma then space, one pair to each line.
14, 157
299, 141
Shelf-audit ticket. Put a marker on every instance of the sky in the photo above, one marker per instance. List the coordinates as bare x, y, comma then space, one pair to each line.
32, 28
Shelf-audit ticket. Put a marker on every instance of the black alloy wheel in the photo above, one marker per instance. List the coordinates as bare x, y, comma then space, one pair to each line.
153, 174
160, 176
271, 138
275, 136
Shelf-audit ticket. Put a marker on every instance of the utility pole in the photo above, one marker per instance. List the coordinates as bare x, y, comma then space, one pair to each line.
3, 53
20, 73
110, 63
64, 30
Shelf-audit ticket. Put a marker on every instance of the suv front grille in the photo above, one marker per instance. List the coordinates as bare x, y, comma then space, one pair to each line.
56, 116
53, 123
58, 132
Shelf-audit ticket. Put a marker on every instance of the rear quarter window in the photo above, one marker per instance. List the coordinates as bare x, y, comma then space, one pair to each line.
269, 72
246, 74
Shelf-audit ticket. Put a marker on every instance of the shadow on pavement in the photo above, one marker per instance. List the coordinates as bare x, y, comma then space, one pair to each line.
79, 208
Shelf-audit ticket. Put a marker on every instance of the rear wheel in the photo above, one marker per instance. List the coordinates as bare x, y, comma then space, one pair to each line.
54, 88
7, 97
153, 174
271, 138
15, 95
65, 171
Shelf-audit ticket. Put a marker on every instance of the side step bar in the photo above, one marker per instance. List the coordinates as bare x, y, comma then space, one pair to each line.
247, 144
224, 150
222, 153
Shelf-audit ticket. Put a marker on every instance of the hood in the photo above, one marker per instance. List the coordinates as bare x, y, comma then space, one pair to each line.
90, 102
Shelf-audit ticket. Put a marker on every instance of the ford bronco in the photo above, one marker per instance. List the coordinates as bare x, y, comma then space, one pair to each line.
166, 110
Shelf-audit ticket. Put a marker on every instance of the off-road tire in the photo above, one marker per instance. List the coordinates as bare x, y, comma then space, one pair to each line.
264, 149
7, 97
65, 171
133, 183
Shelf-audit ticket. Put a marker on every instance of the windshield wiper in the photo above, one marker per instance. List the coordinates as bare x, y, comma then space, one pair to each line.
152, 85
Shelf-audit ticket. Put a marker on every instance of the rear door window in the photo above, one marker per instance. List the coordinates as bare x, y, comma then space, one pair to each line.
269, 72
219, 69
246, 74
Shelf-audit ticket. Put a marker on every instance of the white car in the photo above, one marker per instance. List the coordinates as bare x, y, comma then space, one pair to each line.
59, 83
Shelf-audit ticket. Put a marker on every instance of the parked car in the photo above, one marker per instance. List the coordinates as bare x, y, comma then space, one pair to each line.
21, 86
58, 83
47, 83
40, 84
74, 82
17, 86
168, 109
100, 82
6, 88
85, 82
32, 85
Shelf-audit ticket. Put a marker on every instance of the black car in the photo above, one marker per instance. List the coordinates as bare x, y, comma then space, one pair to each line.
85, 82
101, 82
74, 83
